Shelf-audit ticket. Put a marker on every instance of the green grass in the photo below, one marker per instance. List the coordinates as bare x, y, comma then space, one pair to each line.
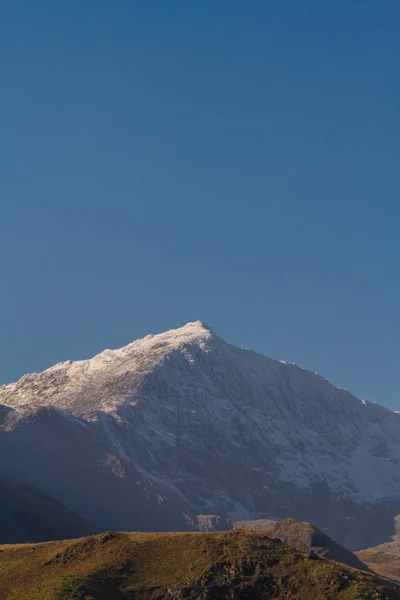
146, 566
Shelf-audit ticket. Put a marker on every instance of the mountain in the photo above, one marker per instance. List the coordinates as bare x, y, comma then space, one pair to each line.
180, 566
28, 515
382, 560
183, 424
308, 538
385, 558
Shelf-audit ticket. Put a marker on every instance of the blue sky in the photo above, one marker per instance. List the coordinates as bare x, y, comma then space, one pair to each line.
236, 162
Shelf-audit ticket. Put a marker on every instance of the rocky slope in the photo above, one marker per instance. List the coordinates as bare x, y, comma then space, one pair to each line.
236, 565
307, 538
183, 424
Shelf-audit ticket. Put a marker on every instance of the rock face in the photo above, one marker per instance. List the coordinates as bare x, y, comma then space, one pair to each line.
183, 424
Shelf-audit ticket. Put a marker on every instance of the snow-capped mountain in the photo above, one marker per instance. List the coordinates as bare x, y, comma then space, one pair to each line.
182, 424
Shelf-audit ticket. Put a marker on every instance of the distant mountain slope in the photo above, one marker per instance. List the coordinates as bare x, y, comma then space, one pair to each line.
382, 560
238, 565
385, 559
28, 515
183, 424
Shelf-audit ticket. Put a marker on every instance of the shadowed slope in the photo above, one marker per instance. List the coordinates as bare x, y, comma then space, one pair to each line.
28, 515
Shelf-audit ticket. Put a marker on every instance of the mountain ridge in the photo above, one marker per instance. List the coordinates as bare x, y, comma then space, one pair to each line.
183, 424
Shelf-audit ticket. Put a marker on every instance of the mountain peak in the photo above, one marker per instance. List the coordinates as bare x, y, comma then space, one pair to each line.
198, 323
191, 332
197, 326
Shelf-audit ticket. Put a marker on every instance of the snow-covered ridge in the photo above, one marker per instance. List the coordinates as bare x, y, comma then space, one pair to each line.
78, 386
196, 330
223, 429
137, 358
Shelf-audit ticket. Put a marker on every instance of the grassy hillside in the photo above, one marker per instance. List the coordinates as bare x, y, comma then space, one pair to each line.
236, 564
256, 525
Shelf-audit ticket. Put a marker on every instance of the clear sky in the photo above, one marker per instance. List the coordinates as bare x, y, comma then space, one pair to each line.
231, 161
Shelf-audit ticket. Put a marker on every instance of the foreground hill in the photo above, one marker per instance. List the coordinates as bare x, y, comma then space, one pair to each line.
237, 565
182, 424
28, 515
308, 538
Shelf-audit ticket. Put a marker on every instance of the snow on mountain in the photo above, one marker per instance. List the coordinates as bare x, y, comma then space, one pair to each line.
81, 387
183, 424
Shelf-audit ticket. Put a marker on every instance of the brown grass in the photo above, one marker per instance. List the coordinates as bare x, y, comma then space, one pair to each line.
235, 564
